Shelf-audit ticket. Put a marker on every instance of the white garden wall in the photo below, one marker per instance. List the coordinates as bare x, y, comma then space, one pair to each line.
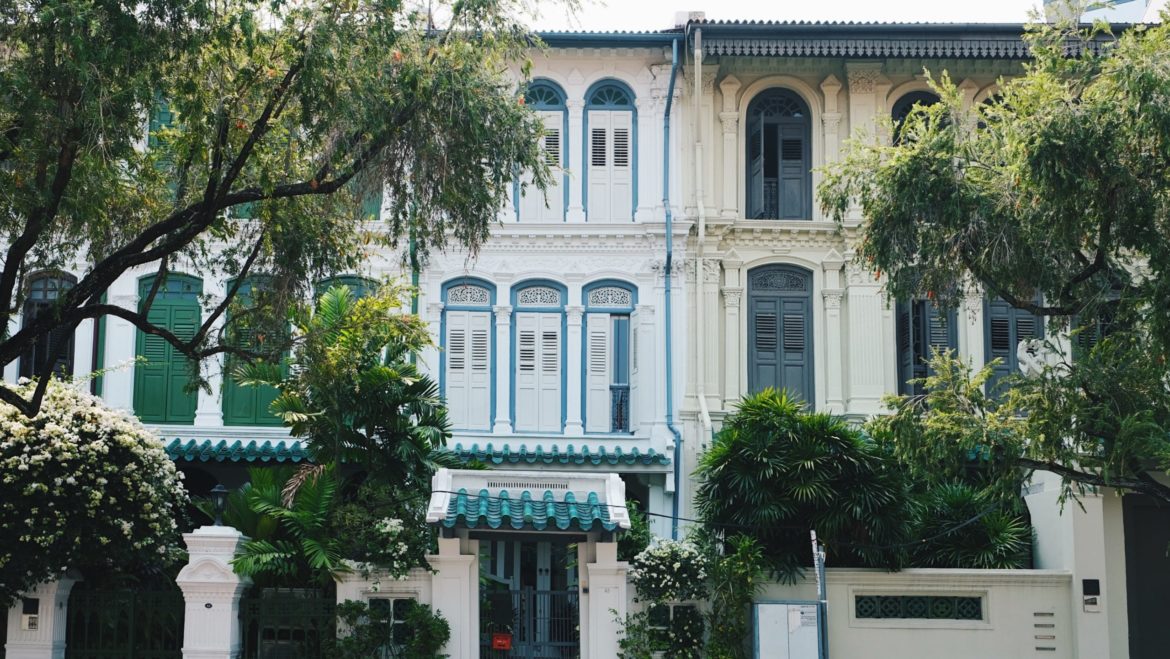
1025, 613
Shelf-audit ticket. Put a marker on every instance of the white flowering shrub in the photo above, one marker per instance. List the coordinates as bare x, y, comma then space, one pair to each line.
670, 571
81, 485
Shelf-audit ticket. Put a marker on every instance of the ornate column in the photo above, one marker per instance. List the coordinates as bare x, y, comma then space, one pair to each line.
729, 118
576, 106
833, 294
863, 102
36, 623
711, 352
971, 328
430, 357
212, 591
209, 408
867, 342
831, 119
732, 296
572, 361
503, 388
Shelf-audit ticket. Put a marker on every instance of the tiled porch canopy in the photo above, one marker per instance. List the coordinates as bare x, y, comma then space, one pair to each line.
501, 500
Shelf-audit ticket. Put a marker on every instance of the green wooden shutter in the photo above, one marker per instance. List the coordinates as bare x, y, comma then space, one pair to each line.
246, 406
161, 380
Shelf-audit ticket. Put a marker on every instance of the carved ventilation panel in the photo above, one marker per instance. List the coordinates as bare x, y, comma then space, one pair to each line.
779, 280
611, 296
538, 296
468, 294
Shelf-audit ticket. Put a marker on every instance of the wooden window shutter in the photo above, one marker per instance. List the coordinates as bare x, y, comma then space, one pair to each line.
598, 377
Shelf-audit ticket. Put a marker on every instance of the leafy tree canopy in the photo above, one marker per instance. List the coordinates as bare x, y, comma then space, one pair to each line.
774, 472
273, 120
1055, 196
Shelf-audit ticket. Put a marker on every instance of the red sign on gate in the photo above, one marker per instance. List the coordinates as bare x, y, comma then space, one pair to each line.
501, 641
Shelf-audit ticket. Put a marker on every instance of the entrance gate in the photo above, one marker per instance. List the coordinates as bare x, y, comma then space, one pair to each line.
124, 624
543, 624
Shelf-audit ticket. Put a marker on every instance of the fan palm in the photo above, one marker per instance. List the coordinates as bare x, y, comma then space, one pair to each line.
352, 391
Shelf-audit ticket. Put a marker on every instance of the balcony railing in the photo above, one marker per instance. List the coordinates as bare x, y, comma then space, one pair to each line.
619, 408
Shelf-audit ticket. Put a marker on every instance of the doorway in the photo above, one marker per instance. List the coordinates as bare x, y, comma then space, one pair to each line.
1147, 575
528, 592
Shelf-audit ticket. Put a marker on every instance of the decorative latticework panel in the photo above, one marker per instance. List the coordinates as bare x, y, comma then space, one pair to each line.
539, 296
543, 97
468, 295
611, 296
779, 280
610, 96
778, 103
924, 607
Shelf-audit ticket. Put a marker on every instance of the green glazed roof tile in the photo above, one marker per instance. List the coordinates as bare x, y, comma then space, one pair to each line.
502, 511
598, 457
192, 450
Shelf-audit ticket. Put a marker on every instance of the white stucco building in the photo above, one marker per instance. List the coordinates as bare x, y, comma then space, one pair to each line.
678, 263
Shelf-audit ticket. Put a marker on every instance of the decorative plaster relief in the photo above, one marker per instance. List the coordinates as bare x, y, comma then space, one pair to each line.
468, 295
863, 76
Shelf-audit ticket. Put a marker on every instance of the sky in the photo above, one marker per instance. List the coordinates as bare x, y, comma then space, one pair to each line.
659, 14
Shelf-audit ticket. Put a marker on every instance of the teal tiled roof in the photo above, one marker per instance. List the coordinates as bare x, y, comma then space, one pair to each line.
502, 511
192, 450
571, 456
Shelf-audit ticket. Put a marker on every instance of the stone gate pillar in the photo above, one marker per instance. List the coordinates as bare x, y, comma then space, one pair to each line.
607, 601
212, 592
42, 634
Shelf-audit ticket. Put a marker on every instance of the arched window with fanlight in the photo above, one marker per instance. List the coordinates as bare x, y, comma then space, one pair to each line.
465, 364
779, 161
548, 101
905, 105
780, 332
608, 386
43, 291
611, 156
538, 350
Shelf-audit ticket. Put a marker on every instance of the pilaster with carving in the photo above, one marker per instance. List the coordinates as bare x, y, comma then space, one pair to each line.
868, 346
729, 119
831, 119
503, 422
863, 78
576, 108
573, 422
732, 359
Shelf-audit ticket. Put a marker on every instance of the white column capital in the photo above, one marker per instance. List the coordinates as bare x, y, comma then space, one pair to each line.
503, 314
732, 296
574, 314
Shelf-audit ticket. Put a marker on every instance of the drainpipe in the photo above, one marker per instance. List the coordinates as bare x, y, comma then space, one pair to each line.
700, 245
669, 322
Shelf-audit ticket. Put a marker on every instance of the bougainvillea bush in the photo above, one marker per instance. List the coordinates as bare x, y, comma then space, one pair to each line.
81, 485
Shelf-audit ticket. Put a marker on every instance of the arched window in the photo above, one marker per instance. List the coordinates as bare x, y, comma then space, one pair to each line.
608, 363
611, 158
538, 356
466, 364
906, 104
44, 289
548, 101
779, 158
162, 375
780, 350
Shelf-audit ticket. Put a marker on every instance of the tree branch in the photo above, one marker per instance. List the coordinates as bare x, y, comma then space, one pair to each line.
1144, 486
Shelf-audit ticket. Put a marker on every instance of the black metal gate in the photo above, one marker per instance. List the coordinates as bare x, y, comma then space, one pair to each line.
124, 624
287, 623
542, 624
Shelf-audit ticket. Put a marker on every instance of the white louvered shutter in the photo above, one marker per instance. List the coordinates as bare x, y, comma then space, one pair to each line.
468, 381
533, 206
598, 363
621, 193
527, 371
611, 166
550, 373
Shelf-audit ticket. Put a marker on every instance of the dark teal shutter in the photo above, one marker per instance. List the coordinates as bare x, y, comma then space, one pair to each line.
904, 330
1004, 327
756, 171
795, 324
246, 406
922, 328
764, 344
794, 169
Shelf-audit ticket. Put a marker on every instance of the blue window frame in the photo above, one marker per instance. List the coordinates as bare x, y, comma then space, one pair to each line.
547, 99
610, 139
467, 364
606, 387
538, 356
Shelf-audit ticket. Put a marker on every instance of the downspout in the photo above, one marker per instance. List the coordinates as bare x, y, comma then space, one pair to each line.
700, 246
669, 257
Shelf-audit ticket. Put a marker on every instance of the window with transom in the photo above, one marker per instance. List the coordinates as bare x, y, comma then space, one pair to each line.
779, 161
547, 100
610, 156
